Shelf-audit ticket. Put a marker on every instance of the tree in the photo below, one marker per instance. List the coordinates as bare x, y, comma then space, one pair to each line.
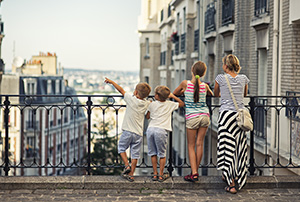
105, 150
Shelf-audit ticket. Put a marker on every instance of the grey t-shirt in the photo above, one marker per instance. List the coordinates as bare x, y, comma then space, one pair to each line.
238, 84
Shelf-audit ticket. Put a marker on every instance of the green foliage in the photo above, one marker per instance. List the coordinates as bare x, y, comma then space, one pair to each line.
105, 151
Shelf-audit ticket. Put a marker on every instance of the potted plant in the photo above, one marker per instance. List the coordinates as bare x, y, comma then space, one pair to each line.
174, 37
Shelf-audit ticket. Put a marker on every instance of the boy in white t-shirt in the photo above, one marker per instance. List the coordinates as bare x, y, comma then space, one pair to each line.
159, 113
136, 106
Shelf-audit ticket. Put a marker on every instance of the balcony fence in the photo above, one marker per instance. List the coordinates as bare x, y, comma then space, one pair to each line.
210, 24
196, 40
261, 7
227, 12
177, 47
283, 141
182, 43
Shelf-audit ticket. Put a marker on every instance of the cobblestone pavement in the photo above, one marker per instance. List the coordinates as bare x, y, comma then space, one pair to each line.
148, 195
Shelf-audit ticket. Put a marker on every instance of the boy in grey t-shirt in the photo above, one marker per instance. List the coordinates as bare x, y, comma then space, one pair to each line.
136, 106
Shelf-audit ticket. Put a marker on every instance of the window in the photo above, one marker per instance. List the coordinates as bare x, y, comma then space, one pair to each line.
161, 15
261, 7
198, 15
147, 48
49, 87
1, 28
262, 71
30, 86
169, 10
149, 9
184, 20
57, 87
178, 23
209, 24
227, 12
147, 79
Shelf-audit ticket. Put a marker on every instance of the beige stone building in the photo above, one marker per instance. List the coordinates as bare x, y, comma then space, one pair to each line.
41, 129
264, 35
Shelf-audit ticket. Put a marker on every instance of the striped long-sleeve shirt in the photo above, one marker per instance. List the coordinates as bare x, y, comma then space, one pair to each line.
195, 109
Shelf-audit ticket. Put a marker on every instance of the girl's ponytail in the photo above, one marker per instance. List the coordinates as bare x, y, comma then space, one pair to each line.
199, 70
196, 89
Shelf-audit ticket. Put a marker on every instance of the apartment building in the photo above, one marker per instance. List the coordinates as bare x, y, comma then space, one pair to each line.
42, 130
264, 34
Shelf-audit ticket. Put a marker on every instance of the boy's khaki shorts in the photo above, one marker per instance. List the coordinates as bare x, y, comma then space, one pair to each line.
197, 122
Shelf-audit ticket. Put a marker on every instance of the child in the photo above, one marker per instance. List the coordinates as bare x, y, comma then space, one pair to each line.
136, 106
159, 113
197, 115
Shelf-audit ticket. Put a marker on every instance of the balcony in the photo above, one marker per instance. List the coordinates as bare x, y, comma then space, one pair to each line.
196, 40
275, 121
182, 43
210, 24
261, 7
177, 47
163, 58
32, 125
227, 12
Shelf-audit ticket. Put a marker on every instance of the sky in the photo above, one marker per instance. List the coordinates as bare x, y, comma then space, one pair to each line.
89, 34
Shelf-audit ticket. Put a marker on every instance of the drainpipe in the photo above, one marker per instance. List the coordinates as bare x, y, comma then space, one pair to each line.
200, 11
276, 70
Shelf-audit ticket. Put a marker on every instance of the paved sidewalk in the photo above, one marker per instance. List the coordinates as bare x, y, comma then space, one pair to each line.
149, 195
114, 188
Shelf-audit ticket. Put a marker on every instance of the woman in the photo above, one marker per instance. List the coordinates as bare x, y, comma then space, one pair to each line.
232, 140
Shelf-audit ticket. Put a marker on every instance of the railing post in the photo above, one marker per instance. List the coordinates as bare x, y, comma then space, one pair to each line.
6, 119
170, 166
89, 112
251, 160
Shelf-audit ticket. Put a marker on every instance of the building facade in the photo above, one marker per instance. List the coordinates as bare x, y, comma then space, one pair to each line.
263, 34
42, 129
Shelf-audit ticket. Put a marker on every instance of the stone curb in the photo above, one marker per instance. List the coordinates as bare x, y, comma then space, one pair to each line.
140, 183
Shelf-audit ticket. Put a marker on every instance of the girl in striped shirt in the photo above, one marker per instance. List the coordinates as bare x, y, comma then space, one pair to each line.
197, 115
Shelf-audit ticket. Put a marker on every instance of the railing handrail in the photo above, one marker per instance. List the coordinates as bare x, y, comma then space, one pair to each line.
278, 105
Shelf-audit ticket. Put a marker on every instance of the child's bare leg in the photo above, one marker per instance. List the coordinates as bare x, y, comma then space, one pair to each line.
199, 145
191, 139
162, 163
124, 158
154, 164
133, 165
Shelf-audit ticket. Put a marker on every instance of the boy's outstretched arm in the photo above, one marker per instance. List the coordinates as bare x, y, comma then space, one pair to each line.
119, 88
181, 103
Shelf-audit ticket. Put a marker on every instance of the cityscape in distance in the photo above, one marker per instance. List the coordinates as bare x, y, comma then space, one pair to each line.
86, 81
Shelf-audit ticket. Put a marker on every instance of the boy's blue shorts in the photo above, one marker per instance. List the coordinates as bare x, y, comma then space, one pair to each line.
132, 140
157, 139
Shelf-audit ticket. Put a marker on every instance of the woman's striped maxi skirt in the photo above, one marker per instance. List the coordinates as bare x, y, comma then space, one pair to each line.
232, 149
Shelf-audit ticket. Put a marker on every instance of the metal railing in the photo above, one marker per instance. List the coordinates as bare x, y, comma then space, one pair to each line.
210, 24
227, 12
182, 43
177, 47
196, 40
163, 58
280, 142
261, 7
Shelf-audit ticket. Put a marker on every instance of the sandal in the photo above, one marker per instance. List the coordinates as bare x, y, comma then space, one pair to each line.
230, 189
126, 170
154, 177
163, 177
191, 178
128, 177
